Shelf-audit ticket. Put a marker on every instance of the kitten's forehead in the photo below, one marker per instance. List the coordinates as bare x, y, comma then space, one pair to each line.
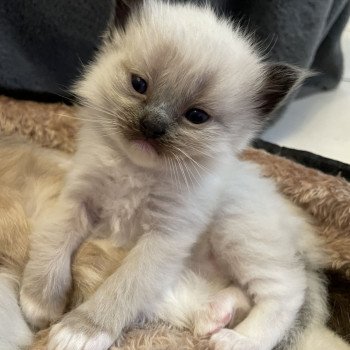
193, 31
189, 48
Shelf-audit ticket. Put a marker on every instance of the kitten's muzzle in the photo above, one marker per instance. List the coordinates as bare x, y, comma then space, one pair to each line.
153, 126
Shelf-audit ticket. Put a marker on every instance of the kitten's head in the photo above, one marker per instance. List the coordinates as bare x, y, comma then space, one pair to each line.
175, 84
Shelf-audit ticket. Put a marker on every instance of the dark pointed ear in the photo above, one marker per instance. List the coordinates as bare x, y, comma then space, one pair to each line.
122, 11
120, 14
280, 80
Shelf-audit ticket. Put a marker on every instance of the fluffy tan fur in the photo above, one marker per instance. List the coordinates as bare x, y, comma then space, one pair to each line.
14, 229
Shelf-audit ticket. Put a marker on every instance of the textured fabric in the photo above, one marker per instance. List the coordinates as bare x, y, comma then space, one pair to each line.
44, 43
305, 33
311, 160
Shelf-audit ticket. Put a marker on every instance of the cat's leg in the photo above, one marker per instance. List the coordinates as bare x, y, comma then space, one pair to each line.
133, 290
266, 324
47, 275
266, 263
321, 338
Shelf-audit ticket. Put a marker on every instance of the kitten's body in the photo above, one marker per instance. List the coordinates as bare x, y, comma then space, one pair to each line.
149, 174
201, 300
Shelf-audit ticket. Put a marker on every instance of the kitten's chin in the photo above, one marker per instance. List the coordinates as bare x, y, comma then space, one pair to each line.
141, 153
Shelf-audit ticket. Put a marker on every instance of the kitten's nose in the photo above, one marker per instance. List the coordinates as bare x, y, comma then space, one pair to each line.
152, 126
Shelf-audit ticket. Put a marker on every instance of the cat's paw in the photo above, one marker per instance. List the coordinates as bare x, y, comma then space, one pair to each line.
228, 339
76, 332
213, 316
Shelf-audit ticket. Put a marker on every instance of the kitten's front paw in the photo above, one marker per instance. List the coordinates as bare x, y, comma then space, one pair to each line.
76, 332
228, 339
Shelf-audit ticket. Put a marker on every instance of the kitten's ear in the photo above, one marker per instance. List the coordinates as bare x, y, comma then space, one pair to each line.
280, 80
120, 13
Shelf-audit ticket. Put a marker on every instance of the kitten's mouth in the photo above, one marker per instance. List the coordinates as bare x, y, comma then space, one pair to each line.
142, 151
144, 145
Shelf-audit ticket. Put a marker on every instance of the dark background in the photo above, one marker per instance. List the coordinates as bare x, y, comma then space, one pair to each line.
43, 43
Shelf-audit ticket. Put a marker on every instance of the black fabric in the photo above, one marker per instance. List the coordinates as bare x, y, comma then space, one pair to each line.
311, 160
43, 44
305, 33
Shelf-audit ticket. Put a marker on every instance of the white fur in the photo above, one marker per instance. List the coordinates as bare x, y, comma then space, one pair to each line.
322, 338
14, 332
182, 302
66, 339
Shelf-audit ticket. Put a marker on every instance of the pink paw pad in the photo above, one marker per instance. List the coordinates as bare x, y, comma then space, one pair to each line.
212, 318
221, 323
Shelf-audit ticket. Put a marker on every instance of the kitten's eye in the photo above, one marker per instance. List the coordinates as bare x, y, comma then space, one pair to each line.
196, 116
139, 84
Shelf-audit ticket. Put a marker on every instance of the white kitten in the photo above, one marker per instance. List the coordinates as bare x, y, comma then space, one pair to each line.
170, 99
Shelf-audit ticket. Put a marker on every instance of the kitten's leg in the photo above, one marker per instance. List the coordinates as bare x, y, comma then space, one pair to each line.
321, 338
228, 307
133, 290
47, 276
265, 325
275, 281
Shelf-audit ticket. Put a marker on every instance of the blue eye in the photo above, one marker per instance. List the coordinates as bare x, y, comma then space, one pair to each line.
139, 84
196, 116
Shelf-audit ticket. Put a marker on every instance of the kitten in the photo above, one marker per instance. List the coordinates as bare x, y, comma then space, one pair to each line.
173, 95
31, 179
197, 301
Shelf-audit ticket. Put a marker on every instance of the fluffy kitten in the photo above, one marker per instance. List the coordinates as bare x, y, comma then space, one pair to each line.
31, 180
170, 99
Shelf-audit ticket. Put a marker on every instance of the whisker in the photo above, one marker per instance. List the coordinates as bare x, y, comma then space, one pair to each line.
170, 170
177, 182
190, 174
104, 122
182, 170
194, 161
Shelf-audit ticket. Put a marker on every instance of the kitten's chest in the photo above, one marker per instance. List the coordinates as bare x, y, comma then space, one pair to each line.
204, 262
123, 201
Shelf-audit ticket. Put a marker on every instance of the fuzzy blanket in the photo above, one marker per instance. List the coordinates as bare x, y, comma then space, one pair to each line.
326, 198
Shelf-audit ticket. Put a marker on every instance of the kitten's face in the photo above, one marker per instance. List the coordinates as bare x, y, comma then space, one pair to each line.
177, 86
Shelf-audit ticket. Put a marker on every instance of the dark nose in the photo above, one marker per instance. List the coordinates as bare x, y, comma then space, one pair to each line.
153, 127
